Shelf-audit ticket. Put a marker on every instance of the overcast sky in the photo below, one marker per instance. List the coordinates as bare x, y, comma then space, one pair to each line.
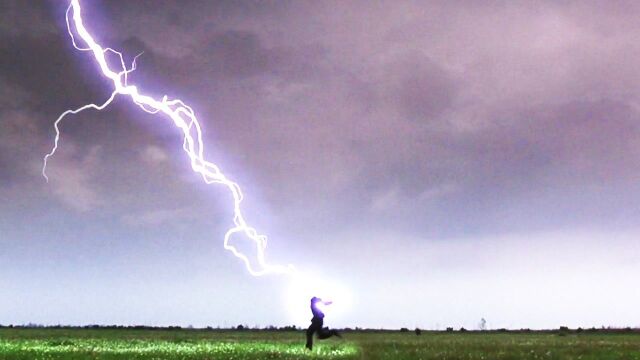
443, 161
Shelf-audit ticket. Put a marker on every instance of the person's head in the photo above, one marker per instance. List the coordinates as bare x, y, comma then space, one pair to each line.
315, 300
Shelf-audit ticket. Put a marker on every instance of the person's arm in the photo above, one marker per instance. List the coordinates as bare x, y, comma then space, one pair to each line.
327, 302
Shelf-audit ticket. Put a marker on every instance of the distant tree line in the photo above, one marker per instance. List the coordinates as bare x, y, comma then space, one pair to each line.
562, 330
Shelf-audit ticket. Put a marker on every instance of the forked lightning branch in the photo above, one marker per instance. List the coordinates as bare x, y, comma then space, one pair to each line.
184, 118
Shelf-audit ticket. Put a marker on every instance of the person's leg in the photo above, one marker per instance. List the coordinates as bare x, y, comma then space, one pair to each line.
325, 333
316, 326
310, 332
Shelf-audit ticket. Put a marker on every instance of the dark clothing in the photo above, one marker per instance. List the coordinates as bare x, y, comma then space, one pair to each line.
323, 332
316, 325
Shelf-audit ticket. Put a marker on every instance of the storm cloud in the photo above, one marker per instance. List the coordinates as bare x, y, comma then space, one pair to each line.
351, 126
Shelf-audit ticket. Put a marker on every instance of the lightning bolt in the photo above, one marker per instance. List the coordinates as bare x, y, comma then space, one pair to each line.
183, 118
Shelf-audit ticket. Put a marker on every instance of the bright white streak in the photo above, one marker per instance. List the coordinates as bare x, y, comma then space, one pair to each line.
185, 119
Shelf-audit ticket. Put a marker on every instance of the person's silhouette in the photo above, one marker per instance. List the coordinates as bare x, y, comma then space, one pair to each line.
316, 323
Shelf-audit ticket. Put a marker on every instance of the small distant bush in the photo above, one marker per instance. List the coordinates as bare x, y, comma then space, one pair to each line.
449, 329
418, 331
462, 329
404, 330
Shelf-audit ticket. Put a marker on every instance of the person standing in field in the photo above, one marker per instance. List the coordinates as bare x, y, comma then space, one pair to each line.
316, 323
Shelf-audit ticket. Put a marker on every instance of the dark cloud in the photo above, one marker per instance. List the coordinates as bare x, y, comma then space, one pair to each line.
7, 171
19, 17
571, 144
535, 167
235, 54
423, 89
46, 68
336, 118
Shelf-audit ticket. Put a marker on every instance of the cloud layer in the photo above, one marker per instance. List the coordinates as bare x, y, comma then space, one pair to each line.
435, 122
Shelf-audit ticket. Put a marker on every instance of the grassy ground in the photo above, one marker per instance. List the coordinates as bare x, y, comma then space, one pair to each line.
194, 344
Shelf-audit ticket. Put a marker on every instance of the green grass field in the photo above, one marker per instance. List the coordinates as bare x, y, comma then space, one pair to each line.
201, 344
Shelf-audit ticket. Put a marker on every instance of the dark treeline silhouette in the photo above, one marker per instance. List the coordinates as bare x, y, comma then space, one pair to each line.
148, 327
561, 330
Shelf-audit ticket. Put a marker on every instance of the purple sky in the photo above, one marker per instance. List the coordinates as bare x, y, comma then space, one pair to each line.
445, 161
